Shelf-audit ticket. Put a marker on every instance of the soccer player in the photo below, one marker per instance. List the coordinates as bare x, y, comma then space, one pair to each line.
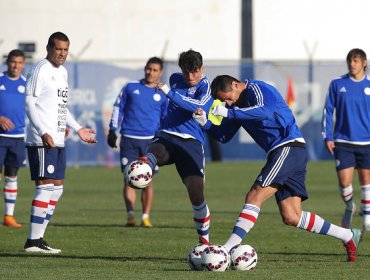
180, 139
12, 124
349, 96
138, 112
259, 108
47, 110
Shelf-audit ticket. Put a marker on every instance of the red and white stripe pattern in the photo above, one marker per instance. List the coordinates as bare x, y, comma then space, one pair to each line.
202, 219
365, 201
10, 194
57, 193
346, 193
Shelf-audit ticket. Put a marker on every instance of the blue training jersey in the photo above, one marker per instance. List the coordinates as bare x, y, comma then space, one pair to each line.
138, 110
12, 100
263, 113
351, 101
184, 100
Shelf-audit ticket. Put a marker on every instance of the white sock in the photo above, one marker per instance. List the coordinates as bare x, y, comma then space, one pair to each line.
365, 201
10, 194
57, 193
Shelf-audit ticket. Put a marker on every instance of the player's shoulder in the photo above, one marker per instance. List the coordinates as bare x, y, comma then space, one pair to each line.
2, 75
340, 78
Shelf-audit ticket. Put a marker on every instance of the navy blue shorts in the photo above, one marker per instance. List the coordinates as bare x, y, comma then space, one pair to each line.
131, 149
12, 152
286, 168
47, 163
347, 155
186, 154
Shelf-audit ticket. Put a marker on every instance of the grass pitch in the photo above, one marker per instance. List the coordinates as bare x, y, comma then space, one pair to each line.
88, 227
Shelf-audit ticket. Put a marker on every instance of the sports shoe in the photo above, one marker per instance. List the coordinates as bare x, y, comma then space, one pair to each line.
9, 221
145, 222
352, 245
347, 216
46, 244
130, 221
38, 246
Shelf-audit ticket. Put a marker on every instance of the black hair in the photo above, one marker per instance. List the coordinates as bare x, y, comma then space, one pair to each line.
222, 83
155, 60
356, 53
190, 61
15, 53
59, 36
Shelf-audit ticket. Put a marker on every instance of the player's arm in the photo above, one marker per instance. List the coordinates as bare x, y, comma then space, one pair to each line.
327, 119
116, 118
85, 134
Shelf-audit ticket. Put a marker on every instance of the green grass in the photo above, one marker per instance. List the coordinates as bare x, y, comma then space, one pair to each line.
87, 226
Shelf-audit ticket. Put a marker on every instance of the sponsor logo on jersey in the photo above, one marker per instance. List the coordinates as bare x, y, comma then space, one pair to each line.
367, 91
343, 89
2, 87
63, 93
136, 91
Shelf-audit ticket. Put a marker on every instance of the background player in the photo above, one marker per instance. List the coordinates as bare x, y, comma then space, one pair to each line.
12, 124
259, 108
47, 110
138, 112
349, 96
180, 140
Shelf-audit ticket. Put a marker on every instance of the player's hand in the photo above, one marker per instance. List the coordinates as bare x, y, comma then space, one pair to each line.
6, 124
67, 133
200, 117
48, 141
112, 139
163, 87
330, 146
220, 110
85, 135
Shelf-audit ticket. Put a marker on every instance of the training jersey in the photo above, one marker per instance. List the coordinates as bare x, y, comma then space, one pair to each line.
138, 110
184, 100
12, 96
263, 113
47, 103
350, 99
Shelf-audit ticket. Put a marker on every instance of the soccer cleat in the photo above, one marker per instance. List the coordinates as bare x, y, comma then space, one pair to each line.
352, 245
146, 223
130, 221
38, 246
347, 216
46, 244
9, 221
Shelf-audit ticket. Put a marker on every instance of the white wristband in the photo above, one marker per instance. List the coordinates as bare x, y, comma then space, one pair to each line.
165, 89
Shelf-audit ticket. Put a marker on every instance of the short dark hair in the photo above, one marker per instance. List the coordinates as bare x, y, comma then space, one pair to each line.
222, 83
15, 53
190, 61
155, 60
59, 36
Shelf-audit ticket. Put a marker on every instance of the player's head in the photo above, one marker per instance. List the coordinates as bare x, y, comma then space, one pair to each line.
15, 62
191, 64
57, 48
356, 62
153, 70
227, 89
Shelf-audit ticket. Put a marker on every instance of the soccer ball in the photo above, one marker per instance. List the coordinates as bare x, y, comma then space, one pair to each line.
194, 256
215, 258
243, 257
138, 174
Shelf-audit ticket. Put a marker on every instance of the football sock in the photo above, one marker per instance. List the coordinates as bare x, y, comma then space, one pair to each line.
314, 223
144, 216
39, 209
152, 161
57, 193
246, 220
347, 195
202, 220
10, 194
365, 201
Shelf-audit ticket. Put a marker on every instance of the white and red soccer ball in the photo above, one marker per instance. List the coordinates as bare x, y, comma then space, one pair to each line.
243, 257
138, 174
195, 256
215, 258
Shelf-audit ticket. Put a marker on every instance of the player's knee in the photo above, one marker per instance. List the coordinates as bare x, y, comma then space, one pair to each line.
290, 220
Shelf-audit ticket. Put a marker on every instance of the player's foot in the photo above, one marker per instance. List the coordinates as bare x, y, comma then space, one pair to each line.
145, 222
130, 221
202, 240
347, 216
352, 245
9, 221
46, 244
37, 246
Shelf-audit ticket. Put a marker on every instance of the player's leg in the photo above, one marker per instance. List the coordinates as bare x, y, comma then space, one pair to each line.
129, 196
146, 201
249, 214
363, 165
10, 195
345, 163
